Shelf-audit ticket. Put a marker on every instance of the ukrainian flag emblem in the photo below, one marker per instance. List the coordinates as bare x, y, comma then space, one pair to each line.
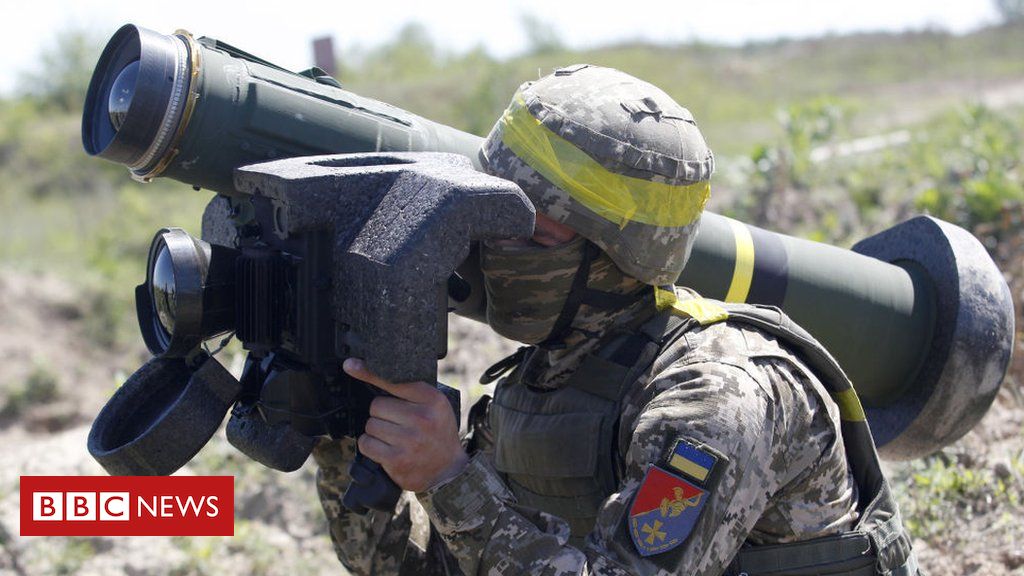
691, 461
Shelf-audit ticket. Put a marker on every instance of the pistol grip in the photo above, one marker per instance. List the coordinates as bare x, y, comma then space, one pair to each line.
371, 487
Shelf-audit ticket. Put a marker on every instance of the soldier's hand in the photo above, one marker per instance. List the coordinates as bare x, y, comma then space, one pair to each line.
412, 433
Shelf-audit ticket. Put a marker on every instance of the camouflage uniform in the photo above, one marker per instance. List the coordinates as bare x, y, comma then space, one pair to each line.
727, 392
732, 389
400, 542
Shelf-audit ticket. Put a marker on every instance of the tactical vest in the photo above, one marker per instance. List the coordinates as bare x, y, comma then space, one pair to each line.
557, 449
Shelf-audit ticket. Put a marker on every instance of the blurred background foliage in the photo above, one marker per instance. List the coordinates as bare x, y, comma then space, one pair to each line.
832, 138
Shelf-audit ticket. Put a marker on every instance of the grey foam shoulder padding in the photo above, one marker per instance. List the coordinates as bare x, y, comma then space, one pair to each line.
401, 223
971, 344
161, 417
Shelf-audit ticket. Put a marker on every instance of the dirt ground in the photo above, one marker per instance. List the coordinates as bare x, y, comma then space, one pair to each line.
983, 532
279, 529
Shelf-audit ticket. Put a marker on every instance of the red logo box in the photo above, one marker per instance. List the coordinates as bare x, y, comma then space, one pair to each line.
127, 506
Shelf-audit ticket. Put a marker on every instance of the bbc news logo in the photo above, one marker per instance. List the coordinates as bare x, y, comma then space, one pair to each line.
127, 505
116, 506
108, 506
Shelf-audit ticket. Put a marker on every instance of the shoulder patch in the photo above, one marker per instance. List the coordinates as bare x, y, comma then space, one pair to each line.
664, 512
692, 461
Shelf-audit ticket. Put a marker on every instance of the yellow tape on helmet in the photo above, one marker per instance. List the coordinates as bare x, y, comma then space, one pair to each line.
615, 197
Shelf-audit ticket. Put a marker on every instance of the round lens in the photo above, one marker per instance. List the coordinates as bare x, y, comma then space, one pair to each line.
121, 94
164, 289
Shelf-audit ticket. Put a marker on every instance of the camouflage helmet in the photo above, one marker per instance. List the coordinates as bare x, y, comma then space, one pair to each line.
614, 158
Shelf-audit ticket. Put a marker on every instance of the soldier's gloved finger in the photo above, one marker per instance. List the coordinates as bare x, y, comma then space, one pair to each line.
388, 432
376, 449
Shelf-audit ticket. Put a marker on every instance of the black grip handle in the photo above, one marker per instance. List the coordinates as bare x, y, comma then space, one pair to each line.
371, 487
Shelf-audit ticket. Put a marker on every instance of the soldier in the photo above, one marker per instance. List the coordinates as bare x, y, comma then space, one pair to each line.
644, 430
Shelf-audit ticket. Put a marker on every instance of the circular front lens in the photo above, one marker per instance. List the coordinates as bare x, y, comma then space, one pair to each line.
164, 290
121, 94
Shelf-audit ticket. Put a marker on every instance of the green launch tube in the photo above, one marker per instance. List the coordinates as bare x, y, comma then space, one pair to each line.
198, 109
831, 292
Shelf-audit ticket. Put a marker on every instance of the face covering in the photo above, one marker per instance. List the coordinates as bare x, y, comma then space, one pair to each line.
527, 286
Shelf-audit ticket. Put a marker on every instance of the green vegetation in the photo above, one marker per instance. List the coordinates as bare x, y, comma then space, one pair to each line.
63, 71
734, 92
84, 218
943, 493
973, 164
71, 555
39, 387
965, 166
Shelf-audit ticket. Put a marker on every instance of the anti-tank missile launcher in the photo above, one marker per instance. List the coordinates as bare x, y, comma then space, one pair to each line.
918, 315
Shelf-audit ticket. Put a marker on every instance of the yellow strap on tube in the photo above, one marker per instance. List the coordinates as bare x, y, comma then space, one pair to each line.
703, 311
615, 197
707, 312
743, 273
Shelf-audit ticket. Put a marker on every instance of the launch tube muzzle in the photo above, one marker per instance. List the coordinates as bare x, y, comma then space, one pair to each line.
141, 98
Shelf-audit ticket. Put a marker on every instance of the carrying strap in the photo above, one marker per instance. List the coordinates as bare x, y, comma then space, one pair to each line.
774, 322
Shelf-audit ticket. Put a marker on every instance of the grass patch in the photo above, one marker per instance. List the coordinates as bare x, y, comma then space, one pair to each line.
39, 387
69, 558
936, 494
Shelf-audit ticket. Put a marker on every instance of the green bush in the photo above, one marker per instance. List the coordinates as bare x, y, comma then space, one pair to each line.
963, 166
39, 387
937, 493
972, 160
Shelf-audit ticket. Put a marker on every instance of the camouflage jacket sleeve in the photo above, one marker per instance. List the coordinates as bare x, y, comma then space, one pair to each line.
379, 543
732, 413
